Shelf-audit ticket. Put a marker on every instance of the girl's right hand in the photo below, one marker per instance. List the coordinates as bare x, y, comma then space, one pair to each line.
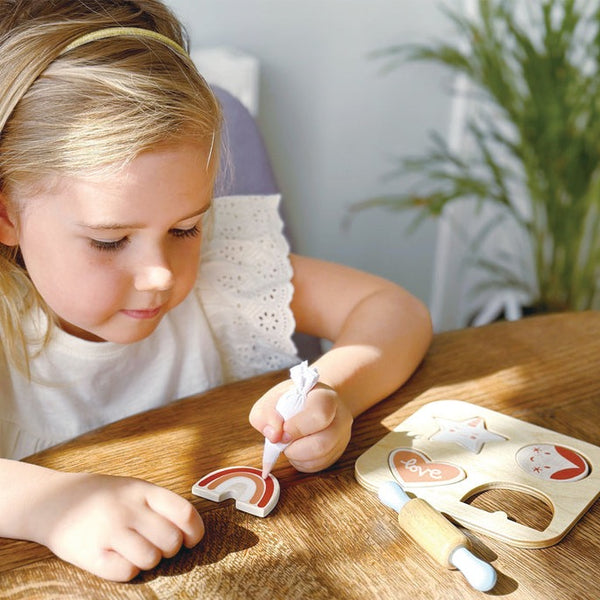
113, 526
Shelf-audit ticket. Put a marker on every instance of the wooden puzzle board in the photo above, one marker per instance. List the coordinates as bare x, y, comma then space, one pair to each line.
450, 450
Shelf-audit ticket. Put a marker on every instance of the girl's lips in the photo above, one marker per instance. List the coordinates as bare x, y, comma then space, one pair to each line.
149, 313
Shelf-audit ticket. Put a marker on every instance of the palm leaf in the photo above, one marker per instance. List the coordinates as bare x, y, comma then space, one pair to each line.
536, 135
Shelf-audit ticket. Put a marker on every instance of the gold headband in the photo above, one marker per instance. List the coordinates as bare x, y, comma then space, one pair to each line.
110, 32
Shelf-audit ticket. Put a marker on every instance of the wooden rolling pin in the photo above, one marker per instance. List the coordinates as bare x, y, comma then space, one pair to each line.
437, 536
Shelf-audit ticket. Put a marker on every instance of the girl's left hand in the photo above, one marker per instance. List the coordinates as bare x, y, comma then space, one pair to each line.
318, 435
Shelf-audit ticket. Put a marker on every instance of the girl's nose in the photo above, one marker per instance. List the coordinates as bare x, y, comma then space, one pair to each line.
153, 278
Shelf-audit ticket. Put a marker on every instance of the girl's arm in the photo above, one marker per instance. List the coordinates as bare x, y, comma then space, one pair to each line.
111, 526
380, 334
380, 331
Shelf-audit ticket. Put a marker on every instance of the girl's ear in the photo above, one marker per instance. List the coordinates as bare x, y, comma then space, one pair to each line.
8, 231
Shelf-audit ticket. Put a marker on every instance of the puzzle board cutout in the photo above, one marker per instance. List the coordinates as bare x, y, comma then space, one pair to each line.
450, 450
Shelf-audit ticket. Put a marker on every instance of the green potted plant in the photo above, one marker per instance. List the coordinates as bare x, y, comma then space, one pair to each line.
534, 70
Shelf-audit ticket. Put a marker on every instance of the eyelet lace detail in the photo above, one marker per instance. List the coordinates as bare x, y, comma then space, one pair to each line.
245, 285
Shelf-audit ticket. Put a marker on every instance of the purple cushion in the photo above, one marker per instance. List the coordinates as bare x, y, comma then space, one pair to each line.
245, 166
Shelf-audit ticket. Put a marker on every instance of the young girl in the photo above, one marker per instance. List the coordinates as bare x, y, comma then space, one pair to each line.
124, 285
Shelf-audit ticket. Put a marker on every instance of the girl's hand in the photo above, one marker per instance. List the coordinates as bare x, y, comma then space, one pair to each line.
113, 526
318, 435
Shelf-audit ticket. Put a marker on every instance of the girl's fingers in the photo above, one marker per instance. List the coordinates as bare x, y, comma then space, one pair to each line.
320, 410
111, 565
116, 526
136, 549
179, 512
318, 451
161, 533
307, 460
263, 416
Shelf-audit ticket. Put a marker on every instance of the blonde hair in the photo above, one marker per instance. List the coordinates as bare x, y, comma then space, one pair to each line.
87, 110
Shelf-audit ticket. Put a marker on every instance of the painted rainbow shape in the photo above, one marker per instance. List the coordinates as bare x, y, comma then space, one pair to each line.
251, 492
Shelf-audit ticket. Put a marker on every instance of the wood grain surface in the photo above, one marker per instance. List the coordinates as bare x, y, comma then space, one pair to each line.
329, 537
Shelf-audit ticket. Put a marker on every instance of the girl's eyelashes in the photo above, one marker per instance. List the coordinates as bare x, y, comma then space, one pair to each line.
114, 245
109, 246
185, 233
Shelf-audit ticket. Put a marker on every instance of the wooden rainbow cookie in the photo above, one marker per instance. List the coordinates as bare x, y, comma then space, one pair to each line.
448, 451
251, 492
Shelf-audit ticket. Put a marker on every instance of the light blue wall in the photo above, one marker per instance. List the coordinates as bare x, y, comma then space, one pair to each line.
333, 122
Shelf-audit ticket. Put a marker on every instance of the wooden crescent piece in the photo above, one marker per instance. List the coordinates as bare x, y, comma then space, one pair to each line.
563, 473
252, 493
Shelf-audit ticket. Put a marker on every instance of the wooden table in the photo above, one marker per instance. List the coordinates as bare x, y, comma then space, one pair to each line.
329, 537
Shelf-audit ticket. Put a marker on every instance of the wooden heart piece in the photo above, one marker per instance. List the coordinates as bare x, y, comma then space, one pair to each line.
413, 469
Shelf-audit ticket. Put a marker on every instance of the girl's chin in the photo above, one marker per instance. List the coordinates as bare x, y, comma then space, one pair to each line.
78, 332
121, 336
